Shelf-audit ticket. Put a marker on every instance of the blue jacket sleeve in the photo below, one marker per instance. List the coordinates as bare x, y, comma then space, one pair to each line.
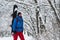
22, 25
14, 25
22, 22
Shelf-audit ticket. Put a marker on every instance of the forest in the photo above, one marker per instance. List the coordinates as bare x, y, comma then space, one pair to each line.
41, 18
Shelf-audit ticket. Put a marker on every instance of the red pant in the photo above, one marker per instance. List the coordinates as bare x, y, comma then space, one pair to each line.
20, 34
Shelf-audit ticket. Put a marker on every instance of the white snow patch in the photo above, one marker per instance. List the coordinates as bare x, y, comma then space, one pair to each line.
11, 38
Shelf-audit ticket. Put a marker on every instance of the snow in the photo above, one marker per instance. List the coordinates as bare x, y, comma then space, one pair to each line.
11, 38
28, 9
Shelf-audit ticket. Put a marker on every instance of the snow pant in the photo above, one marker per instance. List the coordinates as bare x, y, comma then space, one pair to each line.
20, 34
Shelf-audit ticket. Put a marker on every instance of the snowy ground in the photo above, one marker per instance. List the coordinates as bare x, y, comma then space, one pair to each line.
11, 38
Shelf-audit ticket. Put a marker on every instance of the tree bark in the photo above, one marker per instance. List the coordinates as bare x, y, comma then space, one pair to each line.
37, 12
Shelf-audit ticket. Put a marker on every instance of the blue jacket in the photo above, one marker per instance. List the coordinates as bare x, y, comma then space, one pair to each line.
18, 24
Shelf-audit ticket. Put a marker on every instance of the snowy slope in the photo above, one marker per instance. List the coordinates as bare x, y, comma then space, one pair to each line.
11, 38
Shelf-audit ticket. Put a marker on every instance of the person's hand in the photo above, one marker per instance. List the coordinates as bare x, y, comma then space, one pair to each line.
12, 33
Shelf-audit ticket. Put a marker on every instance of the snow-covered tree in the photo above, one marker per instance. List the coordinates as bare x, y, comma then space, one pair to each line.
41, 18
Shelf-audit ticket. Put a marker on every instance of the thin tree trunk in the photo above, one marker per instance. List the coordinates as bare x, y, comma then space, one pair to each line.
37, 12
57, 19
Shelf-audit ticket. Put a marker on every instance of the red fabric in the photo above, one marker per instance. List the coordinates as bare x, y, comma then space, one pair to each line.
20, 34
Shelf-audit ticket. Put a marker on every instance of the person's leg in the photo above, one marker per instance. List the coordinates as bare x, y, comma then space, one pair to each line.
15, 36
21, 35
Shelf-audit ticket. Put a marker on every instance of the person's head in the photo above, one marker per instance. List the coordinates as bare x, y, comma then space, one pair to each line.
20, 14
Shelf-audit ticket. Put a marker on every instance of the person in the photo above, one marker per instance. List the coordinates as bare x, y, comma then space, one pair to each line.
17, 27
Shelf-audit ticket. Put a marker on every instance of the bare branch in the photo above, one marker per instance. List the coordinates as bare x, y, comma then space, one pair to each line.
24, 3
35, 1
54, 10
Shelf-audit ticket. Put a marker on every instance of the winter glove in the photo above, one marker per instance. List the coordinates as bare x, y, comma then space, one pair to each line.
13, 32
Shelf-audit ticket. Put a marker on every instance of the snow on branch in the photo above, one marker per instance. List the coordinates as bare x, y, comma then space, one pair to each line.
28, 24
27, 4
54, 10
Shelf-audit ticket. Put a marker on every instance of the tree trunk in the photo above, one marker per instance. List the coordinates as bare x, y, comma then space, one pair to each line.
57, 19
